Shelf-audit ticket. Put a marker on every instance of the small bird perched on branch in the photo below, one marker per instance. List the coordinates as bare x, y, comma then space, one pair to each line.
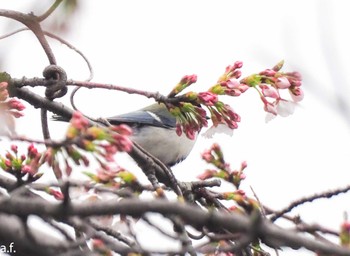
154, 129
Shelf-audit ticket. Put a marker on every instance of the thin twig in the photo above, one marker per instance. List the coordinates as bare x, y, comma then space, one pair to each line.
49, 11
309, 199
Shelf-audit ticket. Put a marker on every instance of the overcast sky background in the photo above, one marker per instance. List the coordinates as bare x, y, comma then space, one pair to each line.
150, 45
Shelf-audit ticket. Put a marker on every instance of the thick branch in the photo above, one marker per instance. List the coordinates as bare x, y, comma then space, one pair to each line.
190, 214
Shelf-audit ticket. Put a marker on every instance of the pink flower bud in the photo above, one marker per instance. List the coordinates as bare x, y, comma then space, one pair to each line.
178, 129
268, 72
269, 107
238, 64
8, 163
232, 124
240, 192
295, 75
14, 103
295, 83
269, 91
32, 151
346, 226
283, 82
123, 143
189, 79
207, 156
297, 94
78, 121
244, 165
208, 98
122, 129
191, 133
206, 175
236, 74
278, 66
27, 169
14, 148
243, 87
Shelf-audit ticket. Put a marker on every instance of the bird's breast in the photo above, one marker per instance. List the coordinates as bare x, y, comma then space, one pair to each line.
163, 143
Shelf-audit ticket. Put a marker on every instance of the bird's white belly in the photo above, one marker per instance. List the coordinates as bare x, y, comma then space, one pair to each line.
164, 144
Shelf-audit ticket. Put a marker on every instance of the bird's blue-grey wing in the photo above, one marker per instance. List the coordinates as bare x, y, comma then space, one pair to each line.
142, 117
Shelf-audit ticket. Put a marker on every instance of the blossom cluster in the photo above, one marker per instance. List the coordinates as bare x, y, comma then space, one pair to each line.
270, 82
185, 82
26, 167
22, 165
114, 177
102, 142
106, 141
191, 116
214, 156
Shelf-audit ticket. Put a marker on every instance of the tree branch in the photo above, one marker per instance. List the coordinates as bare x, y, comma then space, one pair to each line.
190, 214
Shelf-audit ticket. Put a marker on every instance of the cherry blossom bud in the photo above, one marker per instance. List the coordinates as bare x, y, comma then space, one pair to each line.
123, 143
238, 64
206, 175
236, 74
32, 151
268, 72
269, 107
14, 103
278, 66
283, 82
244, 165
188, 79
28, 169
122, 129
183, 84
345, 226
208, 98
295, 75
9, 156
207, 156
269, 91
14, 148
78, 121
191, 133
297, 94
178, 129
295, 83
243, 87
8, 163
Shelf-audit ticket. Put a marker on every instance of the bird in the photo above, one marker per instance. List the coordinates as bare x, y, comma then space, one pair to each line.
154, 129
